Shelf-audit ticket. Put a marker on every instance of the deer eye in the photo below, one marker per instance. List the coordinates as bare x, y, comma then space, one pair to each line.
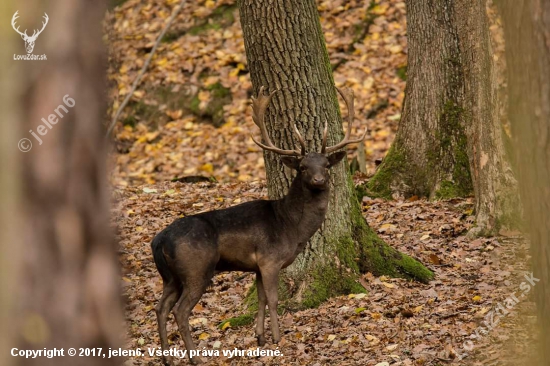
303, 168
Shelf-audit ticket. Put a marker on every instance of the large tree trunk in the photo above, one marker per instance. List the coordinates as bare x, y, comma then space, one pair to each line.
449, 141
527, 35
68, 292
11, 249
286, 51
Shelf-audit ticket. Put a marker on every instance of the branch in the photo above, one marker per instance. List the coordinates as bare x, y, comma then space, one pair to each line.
144, 68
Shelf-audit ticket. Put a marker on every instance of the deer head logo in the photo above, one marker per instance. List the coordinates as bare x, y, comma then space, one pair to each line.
29, 40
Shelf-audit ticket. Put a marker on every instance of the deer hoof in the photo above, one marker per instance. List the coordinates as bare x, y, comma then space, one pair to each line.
261, 340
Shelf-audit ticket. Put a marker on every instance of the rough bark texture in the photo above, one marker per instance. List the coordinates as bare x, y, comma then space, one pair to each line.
286, 51
67, 291
495, 187
527, 35
449, 141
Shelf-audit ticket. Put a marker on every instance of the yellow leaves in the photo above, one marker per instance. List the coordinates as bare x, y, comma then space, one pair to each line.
379, 9
210, 4
204, 336
162, 62
395, 49
331, 337
208, 168
226, 325
476, 298
376, 316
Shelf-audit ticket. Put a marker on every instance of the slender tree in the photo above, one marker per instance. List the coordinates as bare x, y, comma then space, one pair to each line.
66, 268
449, 142
286, 51
527, 36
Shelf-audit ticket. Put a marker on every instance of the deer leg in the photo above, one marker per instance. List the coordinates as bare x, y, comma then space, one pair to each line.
270, 280
169, 297
193, 289
262, 301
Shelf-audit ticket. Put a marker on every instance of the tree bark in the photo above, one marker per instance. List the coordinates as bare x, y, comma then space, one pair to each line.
527, 36
449, 142
68, 292
286, 51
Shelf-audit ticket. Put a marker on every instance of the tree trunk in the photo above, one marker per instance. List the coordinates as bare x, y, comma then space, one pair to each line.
10, 212
449, 141
527, 35
286, 51
68, 292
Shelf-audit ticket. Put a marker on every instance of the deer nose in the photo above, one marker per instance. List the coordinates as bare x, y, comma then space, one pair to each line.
318, 180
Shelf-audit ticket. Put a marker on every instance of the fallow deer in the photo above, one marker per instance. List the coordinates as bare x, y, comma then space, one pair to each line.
262, 236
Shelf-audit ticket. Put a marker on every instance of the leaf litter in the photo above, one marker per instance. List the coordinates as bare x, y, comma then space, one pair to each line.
398, 322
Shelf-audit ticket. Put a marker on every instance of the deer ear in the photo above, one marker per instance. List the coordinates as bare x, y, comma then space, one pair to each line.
335, 158
293, 163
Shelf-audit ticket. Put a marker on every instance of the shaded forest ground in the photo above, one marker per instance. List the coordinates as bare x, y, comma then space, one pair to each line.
169, 132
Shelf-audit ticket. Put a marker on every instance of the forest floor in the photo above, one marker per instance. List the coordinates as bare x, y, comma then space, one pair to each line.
169, 132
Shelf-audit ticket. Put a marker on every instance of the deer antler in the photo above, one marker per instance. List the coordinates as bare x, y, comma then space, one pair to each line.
13, 19
259, 106
347, 94
35, 34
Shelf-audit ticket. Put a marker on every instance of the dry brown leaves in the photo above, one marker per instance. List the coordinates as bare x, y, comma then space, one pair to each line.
186, 146
397, 322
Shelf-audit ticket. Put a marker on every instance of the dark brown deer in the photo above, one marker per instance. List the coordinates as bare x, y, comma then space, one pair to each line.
262, 236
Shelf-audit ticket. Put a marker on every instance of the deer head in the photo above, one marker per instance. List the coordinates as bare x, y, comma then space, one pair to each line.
313, 167
29, 40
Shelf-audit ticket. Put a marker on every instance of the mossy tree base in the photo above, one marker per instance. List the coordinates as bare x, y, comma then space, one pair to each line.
450, 140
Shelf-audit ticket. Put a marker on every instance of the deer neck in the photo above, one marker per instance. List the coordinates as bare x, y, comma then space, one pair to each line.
305, 208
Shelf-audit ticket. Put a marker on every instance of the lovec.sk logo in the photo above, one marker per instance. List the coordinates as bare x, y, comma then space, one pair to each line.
29, 40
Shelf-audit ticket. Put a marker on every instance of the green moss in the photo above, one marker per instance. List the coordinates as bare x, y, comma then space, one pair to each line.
330, 281
218, 90
238, 321
402, 72
450, 140
447, 190
129, 121
194, 105
361, 252
360, 192
392, 166
379, 258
